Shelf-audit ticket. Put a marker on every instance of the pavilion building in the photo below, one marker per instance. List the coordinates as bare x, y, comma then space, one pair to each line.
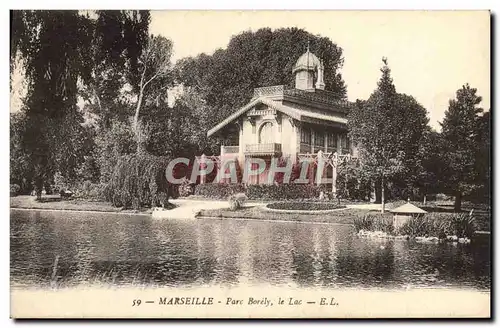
294, 123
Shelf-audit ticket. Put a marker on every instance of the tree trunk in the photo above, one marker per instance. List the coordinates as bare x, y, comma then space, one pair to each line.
378, 193
135, 124
458, 201
425, 199
382, 194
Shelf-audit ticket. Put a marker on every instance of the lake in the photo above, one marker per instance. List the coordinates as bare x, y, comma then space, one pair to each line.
66, 249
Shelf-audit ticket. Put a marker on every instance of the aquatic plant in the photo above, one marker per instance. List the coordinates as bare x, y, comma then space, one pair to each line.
416, 226
462, 225
435, 225
237, 201
373, 222
363, 223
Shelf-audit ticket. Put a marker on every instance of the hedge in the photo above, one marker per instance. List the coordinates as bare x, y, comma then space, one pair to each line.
261, 192
218, 190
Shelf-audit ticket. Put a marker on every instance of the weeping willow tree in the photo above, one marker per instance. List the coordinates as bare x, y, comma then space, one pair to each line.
49, 45
63, 55
139, 181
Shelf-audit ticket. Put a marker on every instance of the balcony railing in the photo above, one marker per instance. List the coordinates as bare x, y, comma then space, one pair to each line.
274, 90
318, 95
322, 96
263, 149
307, 148
230, 149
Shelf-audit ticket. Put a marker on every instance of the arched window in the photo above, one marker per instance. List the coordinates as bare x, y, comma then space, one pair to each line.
266, 133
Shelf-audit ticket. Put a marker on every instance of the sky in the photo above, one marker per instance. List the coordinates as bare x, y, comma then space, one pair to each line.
431, 54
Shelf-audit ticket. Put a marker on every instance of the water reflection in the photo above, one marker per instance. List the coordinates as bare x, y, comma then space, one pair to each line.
66, 249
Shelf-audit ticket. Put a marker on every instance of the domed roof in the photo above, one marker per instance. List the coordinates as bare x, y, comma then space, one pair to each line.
308, 61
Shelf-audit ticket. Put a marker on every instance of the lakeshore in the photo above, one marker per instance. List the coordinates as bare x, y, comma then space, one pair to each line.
203, 209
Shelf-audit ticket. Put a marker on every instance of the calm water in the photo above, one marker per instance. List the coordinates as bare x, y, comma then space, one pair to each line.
124, 250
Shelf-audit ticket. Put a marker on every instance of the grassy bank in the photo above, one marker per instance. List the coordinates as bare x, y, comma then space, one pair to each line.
29, 202
344, 216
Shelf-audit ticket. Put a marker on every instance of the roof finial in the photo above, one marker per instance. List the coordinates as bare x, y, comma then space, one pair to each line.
307, 44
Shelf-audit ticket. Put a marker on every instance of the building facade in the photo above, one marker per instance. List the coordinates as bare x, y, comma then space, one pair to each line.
286, 122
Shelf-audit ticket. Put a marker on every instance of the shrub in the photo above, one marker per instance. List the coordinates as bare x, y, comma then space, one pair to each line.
261, 192
439, 225
374, 222
186, 188
417, 226
91, 191
218, 190
462, 225
284, 191
237, 201
14, 189
303, 206
138, 180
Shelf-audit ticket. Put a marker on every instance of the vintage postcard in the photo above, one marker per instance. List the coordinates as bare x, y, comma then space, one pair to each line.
250, 164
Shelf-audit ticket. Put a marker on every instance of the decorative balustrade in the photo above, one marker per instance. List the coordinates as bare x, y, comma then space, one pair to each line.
318, 95
263, 149
274, 90
307, 148
230, 149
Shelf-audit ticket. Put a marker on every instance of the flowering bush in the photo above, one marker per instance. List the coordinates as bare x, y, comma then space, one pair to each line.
237, 201
14, 189
218, 190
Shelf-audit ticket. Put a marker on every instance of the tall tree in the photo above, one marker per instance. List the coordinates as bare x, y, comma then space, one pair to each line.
66, 55
387, 130
154, 69
226, 79
118, 38
179, 124
426, 170
460, 132
51, 45
484, 156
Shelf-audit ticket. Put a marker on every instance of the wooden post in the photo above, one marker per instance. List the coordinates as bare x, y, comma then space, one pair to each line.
335, 164
202, 167
383, 195
320, 164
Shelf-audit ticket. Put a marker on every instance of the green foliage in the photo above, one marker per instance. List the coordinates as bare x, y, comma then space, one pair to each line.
182, 125
374, 222
387, 130
303, 206
261, 192
111, 144
237, 201
139, 180
352, 183
284, 191
418, 226
21, 170
219, 190
438, 225
186, 188
63, 55
463, 134
91, 191
462, 225
14, 189
118, 39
